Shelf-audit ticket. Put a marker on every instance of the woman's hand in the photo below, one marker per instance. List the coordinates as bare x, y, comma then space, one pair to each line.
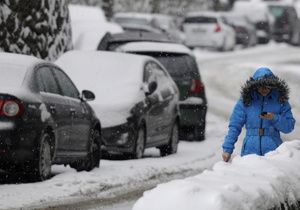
226, 156
268, 116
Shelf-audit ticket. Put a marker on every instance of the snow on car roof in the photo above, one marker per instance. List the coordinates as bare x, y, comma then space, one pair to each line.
18, 59
85, 19
85, 13
89, 40
154, 47
125, 36
13, 69
115, 78
134, 15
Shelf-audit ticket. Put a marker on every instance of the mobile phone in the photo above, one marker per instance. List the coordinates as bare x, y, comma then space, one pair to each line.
263, 113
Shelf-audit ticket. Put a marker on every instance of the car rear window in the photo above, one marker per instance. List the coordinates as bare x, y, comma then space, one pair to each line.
138, 21
277, 11
12, 75
200, 19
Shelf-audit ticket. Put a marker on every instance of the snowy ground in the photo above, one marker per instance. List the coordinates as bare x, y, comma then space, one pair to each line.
223, 73
249, 182
115, 176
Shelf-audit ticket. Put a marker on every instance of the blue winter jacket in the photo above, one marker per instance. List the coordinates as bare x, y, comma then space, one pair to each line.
262, 135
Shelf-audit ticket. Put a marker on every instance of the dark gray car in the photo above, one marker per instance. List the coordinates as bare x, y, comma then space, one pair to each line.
136, 100
44, 120
286, 26
180, 62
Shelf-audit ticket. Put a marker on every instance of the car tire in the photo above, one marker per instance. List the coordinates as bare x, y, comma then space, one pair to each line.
42, 165
172, 146
199, 133
294, 38
94, 154
139, 147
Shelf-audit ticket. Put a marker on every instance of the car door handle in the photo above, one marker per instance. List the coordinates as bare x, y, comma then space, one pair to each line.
52, 109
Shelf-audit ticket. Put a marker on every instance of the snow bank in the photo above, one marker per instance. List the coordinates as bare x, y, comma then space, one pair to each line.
249, 182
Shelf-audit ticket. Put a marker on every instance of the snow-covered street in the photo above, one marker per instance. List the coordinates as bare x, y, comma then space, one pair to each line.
223, 74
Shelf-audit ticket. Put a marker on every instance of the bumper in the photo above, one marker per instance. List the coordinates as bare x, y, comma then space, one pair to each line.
192, 115
118, 139
18, 146
242, 39
281, 37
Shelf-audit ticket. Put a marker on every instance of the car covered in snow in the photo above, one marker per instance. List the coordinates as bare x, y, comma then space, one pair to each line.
286, 26
136, 100
245, 31
181, 64
208, 29
44, 120
259, 14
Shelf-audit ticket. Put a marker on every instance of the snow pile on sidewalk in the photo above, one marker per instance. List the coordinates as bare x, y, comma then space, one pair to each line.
249, 182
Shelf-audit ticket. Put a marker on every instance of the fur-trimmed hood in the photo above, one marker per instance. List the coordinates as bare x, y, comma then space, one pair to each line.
263, 77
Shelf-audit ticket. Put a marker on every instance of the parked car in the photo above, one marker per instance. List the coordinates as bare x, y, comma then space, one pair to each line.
259, 14
89, 22
132, 21
111, 42
208, 29
180, 62
245, 31
44, 120
137, 100
286, 26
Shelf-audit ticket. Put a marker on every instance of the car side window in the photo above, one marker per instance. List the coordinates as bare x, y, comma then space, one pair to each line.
154, 72
67, 86
46, 81
155, 24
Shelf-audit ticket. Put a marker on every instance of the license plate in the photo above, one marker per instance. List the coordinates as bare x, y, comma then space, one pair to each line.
199, 30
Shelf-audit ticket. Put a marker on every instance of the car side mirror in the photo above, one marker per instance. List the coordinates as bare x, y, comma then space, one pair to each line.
88, 95
151, 87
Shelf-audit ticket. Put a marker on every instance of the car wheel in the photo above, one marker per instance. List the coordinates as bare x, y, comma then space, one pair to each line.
295, 38
139, 147
94, 154
223, 47
199, 133
172, 146
42, 166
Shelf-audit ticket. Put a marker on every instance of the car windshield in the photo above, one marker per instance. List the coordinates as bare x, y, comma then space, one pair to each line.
200, 19
11, 75
178, 65
138, 21
277, 11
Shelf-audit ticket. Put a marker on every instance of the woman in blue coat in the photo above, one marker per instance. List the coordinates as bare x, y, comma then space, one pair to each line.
265, 111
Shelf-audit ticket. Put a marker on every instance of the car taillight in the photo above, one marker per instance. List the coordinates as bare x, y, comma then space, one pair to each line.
218, 28
181, 27
286, 26
197, 86
11, 108
239, 30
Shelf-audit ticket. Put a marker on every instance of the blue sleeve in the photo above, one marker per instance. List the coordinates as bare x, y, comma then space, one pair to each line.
284, 121
237, 121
